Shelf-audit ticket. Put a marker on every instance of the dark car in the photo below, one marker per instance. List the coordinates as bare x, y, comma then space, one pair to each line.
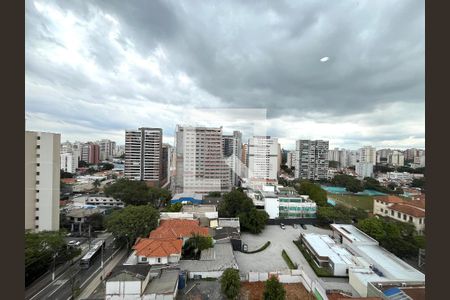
303, 226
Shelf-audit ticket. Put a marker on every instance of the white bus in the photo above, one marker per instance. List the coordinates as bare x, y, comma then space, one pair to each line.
90, 256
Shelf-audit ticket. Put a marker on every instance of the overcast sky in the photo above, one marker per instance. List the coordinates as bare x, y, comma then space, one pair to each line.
351, 72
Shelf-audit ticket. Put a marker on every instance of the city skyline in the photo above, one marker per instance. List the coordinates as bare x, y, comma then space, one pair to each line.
94, 69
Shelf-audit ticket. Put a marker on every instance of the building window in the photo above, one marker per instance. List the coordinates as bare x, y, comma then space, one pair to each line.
38, 164
38, 138
159, 259
37, 208
404, 217
381, 209
38, 147
37, 181
38, 155
410, 219
36, 218
399, 215
37, 200
36, 226
38, 173
420, 221
143, 259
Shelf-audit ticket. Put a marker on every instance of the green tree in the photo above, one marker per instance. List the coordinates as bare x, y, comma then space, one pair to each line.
230, 283
96, 221
132, 222
274, 290
83, 164
418, 182
173, 207
373, 227
253, 221
234, 203
96, 183
159, 196
106, 166
315, 192
64, 174
130, 192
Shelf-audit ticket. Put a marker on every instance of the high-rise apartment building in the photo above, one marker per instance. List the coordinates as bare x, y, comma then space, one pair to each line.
263, 158
396, 158
200, 164
290, 159
69, 161
312, 159
107, 149
90, 153
232, 152
143, 155
382, 156
368, 154
364, 169
42, 180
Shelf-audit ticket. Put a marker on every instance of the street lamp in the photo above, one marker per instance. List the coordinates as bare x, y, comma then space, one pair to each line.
54, 263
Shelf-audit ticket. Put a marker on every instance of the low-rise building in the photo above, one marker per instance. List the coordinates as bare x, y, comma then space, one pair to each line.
141, 282
156, 251
79, 216
408, 211
98, 200
212, 262
374, 263
281, 202
327, 253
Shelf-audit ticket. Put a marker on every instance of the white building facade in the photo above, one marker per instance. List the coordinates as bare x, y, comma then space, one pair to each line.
263, 158
364, 169
42, 180
200, 164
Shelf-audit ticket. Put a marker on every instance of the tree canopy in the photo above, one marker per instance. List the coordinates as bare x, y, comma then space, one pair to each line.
397, 237
133, 192
274, 290
230, 283
314, 191
40, 248
237, 204
132, 222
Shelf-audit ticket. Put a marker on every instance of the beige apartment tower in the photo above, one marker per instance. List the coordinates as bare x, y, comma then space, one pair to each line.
42, 180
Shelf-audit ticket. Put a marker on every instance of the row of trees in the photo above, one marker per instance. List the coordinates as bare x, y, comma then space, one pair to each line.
137, 193
44, 249
397, 237
230, 285
340, 214
354, 185
237, 204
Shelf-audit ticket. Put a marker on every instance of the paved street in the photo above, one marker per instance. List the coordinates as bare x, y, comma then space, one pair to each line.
61, 287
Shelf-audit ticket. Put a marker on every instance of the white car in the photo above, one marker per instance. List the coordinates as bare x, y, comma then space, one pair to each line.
74, 243
282, 226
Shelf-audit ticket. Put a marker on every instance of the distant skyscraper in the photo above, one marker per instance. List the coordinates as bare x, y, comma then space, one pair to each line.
200, 164
290, 159
107, 149
143, 155
167, 153
364, 169
263, 158
69, 161
232, 152
90, 153
368, 154
42, 180
396, 158
312, 159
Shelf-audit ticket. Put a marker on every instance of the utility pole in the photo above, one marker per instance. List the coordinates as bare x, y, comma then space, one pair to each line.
54, 263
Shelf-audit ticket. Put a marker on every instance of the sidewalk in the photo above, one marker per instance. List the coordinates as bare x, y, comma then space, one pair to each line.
97, 279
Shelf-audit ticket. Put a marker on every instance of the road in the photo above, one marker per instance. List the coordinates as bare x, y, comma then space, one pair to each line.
74, 277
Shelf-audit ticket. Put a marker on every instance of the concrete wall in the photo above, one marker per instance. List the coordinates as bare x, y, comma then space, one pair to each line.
215, 274
120, 289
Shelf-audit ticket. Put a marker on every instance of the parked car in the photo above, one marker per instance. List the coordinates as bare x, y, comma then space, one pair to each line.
303, 226
282, 226
74, 243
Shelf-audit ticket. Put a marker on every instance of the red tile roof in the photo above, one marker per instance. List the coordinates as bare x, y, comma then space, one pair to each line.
158, 247
408, 209
389, 199
69, 180
177, 228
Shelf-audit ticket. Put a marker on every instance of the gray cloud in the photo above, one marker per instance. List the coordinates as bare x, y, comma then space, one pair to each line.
258, 54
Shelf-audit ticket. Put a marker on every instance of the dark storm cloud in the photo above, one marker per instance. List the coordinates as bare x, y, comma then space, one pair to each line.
259, 54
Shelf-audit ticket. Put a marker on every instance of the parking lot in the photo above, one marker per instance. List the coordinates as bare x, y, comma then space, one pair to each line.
270, 259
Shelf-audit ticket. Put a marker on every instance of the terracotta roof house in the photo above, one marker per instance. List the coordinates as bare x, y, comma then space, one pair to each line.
409, 211
156, 251
178, 228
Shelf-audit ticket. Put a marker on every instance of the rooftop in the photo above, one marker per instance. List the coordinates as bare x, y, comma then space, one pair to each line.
199, 208
129, 272
324, 246
353, 234
177, 228
166, 283
409, 210
158, 247
218, 258
83, 212
187, 195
